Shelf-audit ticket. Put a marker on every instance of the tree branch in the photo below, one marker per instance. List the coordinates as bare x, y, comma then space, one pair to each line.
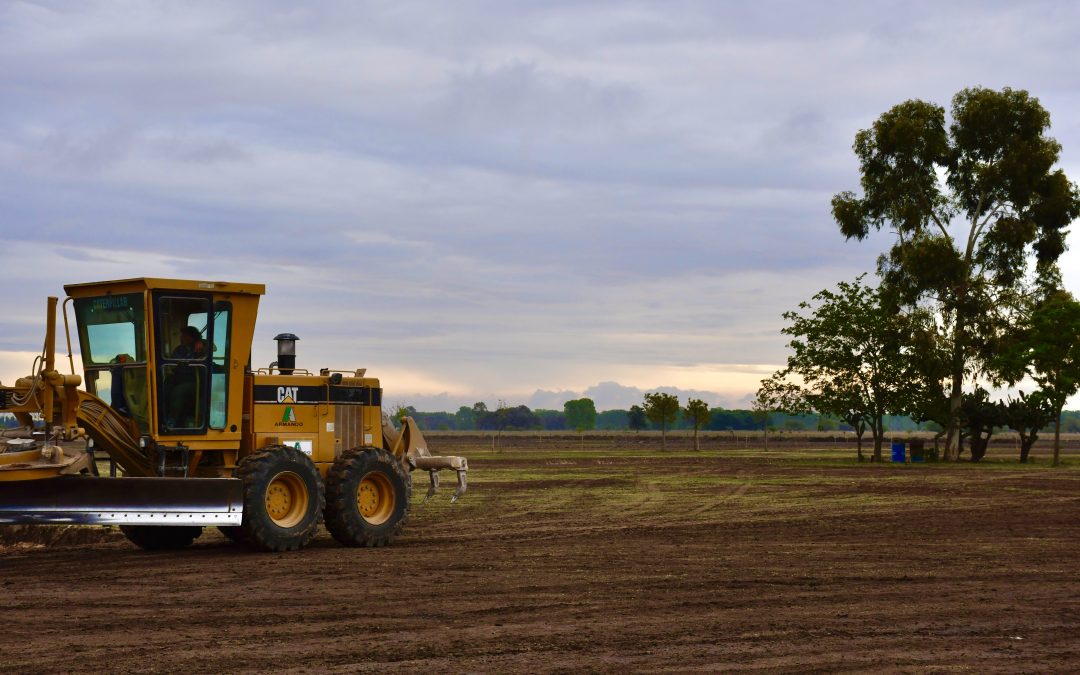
973, 233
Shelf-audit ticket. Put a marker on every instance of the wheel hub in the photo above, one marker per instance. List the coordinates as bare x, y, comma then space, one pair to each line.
375, 498
286, 499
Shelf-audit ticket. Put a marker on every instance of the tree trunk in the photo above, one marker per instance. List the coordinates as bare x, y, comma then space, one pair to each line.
697, 448
952, 438
1025, 447
979, 446
663, 437
878, 429
858, 444
1057, 435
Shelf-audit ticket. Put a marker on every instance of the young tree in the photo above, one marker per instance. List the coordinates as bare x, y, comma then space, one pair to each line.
843, 401
979, 415
662, 409
846, 360
1048, 349
399, 411
636, 418
697, 412
580, 414
1027, 416
963, 244
501, 418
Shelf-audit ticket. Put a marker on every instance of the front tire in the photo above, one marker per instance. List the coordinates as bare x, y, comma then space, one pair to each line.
367, 498
160, 538
283, 497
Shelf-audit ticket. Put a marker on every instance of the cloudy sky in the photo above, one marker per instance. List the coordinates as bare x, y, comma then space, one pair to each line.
482, 200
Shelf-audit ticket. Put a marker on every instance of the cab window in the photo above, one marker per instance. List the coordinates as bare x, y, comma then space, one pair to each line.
112, 335
185, 339
111, 329
219, 366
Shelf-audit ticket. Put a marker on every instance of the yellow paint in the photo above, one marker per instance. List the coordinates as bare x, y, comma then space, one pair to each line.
249, 426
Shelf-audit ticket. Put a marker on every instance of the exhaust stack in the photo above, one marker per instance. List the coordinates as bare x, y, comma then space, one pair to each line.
286, 352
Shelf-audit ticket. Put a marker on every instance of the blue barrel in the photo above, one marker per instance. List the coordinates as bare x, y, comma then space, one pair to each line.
898, 452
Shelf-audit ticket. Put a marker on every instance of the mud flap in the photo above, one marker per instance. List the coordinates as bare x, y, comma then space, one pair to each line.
79, 500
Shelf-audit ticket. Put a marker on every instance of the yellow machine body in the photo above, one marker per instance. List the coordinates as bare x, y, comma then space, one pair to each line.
170, 394
320, 415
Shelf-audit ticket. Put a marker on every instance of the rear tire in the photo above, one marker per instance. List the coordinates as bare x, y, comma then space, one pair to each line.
367, 498
283, 497
160, 538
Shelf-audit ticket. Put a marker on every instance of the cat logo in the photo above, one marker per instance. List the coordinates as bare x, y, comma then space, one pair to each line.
287, 394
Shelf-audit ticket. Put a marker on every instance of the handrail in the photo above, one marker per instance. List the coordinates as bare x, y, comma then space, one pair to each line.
67, 333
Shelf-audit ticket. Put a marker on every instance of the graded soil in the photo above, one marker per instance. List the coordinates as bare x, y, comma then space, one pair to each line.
597, 562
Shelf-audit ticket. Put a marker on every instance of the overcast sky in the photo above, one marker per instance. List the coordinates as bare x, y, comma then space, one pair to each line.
525, 201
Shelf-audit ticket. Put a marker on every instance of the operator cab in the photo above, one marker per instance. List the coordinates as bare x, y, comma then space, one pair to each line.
168, 354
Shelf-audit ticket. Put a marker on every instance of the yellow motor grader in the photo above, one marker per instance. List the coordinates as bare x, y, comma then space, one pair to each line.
195, 437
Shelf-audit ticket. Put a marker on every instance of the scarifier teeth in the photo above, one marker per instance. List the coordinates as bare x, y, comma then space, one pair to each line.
461, 487
434, 485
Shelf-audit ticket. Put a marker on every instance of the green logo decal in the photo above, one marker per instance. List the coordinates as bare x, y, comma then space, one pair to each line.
289, 415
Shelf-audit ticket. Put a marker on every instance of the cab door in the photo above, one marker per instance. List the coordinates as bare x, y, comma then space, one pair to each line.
184, 339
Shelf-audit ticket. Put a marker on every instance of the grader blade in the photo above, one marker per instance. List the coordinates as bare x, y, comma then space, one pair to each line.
123, 501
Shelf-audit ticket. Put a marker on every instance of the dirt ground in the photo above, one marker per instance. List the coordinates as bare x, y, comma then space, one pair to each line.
601, 561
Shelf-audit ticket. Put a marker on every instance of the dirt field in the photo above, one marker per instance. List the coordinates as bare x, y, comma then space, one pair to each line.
602, 560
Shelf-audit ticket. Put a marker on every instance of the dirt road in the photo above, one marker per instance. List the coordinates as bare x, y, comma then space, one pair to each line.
600, 562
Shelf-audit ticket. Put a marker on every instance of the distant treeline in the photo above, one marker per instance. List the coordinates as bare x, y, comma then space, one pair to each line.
521, 418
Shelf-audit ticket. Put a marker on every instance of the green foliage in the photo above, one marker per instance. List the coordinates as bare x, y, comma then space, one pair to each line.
551, 419
465, 418
979, 415
580, 414
613, 420
400, 411
636, 418
1027, 415
1047, 348
1070, 422
719, 420
662, 410
826, 423
963, 244
1053, 341
697, 413
846, 360
734, 420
